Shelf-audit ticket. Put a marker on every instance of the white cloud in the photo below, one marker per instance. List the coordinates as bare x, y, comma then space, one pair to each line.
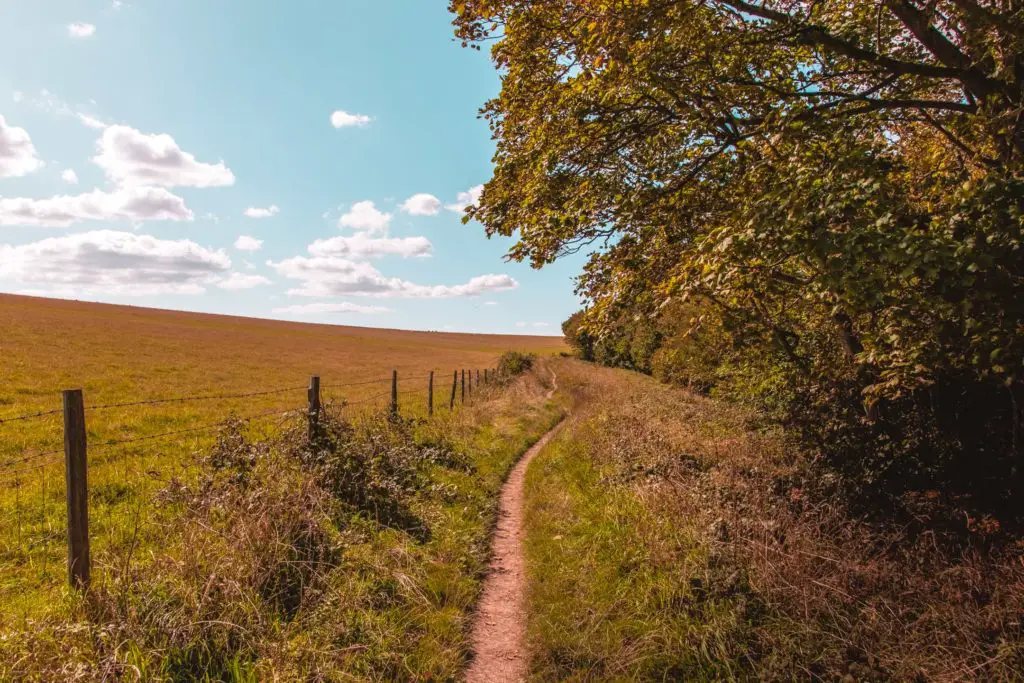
130, 157
17, 153
470, 197
236, 281
490, 303
342, 119
362, 246
422, 204
51, 104
540, 325
255, 212
342, 307
131, 203
520, 324
116, 4
18, 96
365, 216
247, 243
90, 122
334, 276
69, 176
109, 261
81, 30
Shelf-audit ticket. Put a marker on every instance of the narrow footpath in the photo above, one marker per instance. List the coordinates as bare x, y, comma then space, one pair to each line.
499, 633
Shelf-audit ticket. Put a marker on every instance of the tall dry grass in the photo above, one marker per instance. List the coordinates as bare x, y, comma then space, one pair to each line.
732, 555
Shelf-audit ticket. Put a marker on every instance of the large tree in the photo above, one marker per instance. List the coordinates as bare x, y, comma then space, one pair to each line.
842, 181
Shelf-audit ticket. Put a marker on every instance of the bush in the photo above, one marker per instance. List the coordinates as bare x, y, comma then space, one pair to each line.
514, 363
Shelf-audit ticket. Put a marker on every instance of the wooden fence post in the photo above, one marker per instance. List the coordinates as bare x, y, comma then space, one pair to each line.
430, 395
314, 407
393, 410
463, 386
486, 381
77, 485
469, 390
455, 385
478, 378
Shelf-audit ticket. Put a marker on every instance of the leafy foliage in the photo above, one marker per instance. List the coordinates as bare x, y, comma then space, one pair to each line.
817, 207
514, 363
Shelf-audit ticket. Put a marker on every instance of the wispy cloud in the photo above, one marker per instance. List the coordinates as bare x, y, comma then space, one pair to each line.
247, 243
362, 246
115, 262
256, 212
132, 203
340, 307
334, 276
237, 281
81, 30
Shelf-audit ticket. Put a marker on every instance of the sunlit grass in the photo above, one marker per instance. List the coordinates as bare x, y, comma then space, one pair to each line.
120, 354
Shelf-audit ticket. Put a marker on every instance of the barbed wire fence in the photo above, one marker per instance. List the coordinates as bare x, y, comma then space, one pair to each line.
58, 502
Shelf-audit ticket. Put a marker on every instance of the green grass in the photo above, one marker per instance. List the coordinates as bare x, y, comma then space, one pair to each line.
673, 537
122, 354
612, 584
382, 603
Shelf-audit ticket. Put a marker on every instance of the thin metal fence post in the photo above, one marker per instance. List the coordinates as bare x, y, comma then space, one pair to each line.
430, 395
455, 386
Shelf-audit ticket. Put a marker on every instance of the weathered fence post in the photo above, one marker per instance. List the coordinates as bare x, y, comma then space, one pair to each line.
430, 395
463, 386
393, 410
314, 407
469, 390
486, 381
77, 485
478, 378
455, 385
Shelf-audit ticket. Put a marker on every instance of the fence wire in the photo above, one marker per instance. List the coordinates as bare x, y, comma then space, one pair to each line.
129, 475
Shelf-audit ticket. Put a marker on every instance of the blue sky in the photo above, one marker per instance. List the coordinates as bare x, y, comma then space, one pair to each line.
137, 134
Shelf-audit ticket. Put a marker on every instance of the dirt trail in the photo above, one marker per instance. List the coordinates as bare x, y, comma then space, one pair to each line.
500, 629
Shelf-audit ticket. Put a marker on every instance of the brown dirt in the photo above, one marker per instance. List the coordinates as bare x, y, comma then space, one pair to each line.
499, 632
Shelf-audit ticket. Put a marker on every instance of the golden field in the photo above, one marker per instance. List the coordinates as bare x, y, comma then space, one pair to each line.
123, 354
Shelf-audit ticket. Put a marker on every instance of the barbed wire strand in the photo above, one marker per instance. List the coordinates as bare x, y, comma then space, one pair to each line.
355, 384
368, 398
30, 416
184, 399
201, 428
29, 458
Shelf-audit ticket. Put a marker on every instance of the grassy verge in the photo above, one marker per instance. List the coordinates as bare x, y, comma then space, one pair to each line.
670, 537
357, 557
123, 357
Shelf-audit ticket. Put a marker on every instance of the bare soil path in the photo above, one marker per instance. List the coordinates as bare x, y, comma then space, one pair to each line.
499, 633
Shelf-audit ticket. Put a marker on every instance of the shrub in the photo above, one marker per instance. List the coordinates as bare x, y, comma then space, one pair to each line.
513, 363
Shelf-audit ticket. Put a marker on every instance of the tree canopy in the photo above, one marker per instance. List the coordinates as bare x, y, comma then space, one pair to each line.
837, 186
